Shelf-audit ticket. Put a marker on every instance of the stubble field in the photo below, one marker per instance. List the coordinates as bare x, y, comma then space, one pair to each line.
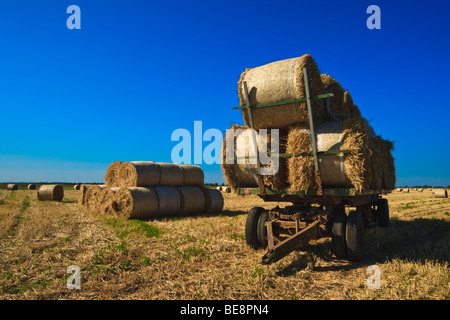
207, 257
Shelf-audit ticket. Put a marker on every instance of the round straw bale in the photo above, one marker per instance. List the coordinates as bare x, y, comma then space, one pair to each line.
192, 175
243, 172
219, 188
76, 187
420, 190
82, 194
337, 171
12, 186
92, 197
51, 192
171, 174
31, 186
336, 109
281, 81
139, 174
169, 201
136, 203
351, 108
213, 200
192, 200
441, 193
406, 190
105, 200
112, 174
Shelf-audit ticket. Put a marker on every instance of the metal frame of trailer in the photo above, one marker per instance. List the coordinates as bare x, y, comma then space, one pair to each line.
313, 213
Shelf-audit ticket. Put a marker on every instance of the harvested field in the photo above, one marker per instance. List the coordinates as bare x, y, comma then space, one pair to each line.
206, 257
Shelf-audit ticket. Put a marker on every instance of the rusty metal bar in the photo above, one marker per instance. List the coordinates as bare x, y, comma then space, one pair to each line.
312, 134
297, 241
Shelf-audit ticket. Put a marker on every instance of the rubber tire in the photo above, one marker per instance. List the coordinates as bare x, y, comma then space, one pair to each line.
261, 231
338, 227
251, 226
382, 213
354, 236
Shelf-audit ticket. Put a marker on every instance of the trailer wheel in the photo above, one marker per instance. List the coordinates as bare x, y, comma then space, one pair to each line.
261, 231
354, 236
382, 213
338, 245
251, 227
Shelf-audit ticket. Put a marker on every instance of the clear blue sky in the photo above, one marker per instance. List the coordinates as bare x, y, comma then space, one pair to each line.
73, 101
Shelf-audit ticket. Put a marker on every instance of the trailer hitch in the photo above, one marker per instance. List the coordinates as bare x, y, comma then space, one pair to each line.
297, 241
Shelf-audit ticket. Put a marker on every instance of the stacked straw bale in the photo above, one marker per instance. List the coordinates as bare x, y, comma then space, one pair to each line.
149, 190
338, 126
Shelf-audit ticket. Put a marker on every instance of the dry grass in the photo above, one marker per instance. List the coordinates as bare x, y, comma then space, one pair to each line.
207, 258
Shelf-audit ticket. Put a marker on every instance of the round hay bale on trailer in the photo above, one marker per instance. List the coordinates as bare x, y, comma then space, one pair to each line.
136, 203
441, 193
12, 186
31, 186
169, 201
192, 175
50, 192
139, 174
350, 170
242, 172
281, 81
192, 200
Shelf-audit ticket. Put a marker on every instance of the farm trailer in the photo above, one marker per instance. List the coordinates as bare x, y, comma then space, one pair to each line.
314, 213
311, 217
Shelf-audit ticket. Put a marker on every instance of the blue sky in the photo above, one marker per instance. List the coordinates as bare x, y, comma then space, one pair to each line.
73, 101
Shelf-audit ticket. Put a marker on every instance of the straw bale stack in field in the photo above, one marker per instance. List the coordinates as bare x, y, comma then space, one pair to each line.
111, 176
92, 196
50, 192
105, 200
213, 200
148, 190
135, 203
192, 200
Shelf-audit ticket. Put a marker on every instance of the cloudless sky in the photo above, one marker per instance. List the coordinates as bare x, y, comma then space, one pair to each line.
73, 101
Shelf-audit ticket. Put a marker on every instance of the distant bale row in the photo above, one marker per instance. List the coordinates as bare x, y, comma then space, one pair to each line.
51, 192
225, 189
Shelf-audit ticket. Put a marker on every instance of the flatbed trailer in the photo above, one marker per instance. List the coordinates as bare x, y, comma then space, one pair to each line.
311, 217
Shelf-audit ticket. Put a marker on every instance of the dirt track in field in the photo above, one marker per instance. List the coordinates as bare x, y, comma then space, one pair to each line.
207, 257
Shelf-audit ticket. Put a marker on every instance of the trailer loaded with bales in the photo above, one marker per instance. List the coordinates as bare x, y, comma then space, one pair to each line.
331, 169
